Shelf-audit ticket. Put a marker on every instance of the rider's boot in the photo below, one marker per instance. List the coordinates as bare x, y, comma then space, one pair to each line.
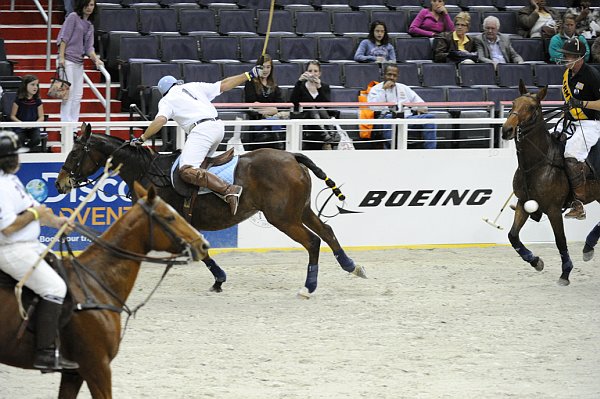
202, 178
576, 172
47, 356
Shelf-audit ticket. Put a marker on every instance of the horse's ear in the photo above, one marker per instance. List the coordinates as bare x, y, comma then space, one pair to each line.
151, 194
140, 191
522, 88
86, 131
542, 93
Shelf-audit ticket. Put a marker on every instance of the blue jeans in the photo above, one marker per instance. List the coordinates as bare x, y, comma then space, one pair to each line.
428, 132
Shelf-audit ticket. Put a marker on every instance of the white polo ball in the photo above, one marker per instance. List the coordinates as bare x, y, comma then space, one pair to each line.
531, 206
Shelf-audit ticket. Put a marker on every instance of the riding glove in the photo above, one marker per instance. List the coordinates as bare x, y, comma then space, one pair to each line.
575, 103
255, 72
136, 142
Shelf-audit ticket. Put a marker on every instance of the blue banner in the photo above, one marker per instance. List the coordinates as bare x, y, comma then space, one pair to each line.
104, 208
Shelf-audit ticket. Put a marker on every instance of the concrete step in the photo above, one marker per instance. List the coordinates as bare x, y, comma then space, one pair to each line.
28, 47
38, 62
29, 16
45, 75
28, 32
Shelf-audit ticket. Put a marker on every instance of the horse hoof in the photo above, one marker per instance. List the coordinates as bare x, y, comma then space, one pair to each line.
359, 271
563, 282
588, 253
538, 264
304, 294
216, 287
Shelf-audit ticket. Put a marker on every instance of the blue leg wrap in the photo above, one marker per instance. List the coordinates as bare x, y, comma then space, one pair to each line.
312, 275
592, 238
567, 264
525, 254
344, 260
217, 272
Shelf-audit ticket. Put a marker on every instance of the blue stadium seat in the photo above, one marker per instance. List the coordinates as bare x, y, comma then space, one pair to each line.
219, 48
197, 72
510, 74
237, 22
406, 5
287, 74
236, 69
344, 95
395, 21
157, 20
408, 74
413, 49
530, 49
434, 74
466, 94
297, 48
478, 5
431, 94
202, 20
554, 94
235, 95
350, 23
145, 75
548, 74
336, 48
179, 48
359, 75
251, 48
282, 22
332, 74
497, 94
508, 20
477, 74
312, 22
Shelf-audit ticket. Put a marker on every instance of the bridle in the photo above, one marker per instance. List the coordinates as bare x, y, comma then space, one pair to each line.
75, 176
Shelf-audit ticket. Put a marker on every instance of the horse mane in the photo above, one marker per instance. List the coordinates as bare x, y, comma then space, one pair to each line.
112, 144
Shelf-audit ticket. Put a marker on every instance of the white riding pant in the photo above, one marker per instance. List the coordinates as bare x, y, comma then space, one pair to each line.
587, 133
202, 142
16, 260
69, 108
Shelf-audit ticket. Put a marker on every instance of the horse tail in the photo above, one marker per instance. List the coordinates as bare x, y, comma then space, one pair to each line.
306, 161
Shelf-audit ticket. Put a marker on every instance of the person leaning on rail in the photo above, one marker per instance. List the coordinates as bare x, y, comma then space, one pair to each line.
189, 104
581, 89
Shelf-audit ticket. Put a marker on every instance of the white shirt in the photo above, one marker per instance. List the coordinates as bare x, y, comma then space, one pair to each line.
14, 199
189, 103
400, 94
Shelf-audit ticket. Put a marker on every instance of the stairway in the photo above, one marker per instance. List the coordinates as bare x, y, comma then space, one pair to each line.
24, 32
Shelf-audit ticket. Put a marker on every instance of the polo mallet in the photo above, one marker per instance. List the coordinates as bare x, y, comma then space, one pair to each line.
261, 60
494, 224
19, 287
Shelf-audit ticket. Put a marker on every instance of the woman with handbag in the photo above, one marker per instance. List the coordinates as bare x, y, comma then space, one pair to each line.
76, 39
28, 107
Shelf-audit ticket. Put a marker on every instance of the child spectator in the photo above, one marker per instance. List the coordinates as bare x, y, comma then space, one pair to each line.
377, 47
28, 107
432, 20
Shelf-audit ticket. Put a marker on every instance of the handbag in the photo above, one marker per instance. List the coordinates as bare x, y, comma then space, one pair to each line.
59, 85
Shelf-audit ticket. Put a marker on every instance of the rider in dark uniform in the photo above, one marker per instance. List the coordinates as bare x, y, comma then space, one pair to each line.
581, 83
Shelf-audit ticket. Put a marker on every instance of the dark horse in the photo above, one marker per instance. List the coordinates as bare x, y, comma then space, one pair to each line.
541, 177
105, 273
275, 182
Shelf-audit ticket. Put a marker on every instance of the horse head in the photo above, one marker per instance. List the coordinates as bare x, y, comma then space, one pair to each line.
80, 163
526, 109
167, 230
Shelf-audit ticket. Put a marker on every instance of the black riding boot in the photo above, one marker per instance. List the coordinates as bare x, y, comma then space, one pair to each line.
576, 172
47, 356
202, 178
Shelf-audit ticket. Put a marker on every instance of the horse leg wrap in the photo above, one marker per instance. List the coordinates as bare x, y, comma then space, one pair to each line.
217, 272
312, 275
525, 254
344, 260
592, 239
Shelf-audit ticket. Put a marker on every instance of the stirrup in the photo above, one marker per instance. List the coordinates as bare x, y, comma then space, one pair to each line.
577, 211
233, 198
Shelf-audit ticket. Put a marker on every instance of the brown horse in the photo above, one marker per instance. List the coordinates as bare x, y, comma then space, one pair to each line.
541, 177
92, 337
275, 182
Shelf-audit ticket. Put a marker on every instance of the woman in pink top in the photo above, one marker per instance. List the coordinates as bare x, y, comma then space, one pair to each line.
431, 21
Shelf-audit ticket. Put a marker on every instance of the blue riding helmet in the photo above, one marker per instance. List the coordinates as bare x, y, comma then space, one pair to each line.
166, 82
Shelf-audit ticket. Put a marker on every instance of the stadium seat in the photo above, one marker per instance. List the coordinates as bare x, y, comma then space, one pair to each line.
336, 49
431, 94
235, 95
298, 49
177, 48
145, 75
157, 20
408, 74
236, 69
197, 72
313, 23
434, 74
201, 20
333, 5
219, 48
414, 49
331, 74
113, 20
287, 74
478, 5
510, 74
466, 94
554, 94
405, 5
497, 94
531, 50
344, 95
255, 4
251, 48
512, 4
395, 21
237, 22
282, 22
548, 74
350, 23
508, 20
359, 75
477, 74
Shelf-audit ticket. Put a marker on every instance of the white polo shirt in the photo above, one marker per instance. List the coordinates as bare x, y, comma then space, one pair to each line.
14, 199
189, 103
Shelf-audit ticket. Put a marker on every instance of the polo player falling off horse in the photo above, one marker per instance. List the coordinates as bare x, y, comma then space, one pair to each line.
189, 104
581, 89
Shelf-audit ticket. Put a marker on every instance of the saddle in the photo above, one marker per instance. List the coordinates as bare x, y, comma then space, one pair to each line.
30, 299
187, 190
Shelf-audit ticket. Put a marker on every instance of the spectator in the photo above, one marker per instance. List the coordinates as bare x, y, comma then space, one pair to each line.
596, 50
537, 20
432, 20
309, 88
28, 107
568, 32
456, 46
494, 47
391, 91
263, 89
377, 47
76, 39
588, 21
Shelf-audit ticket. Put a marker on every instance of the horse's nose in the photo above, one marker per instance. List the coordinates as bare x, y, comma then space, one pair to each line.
508, 132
